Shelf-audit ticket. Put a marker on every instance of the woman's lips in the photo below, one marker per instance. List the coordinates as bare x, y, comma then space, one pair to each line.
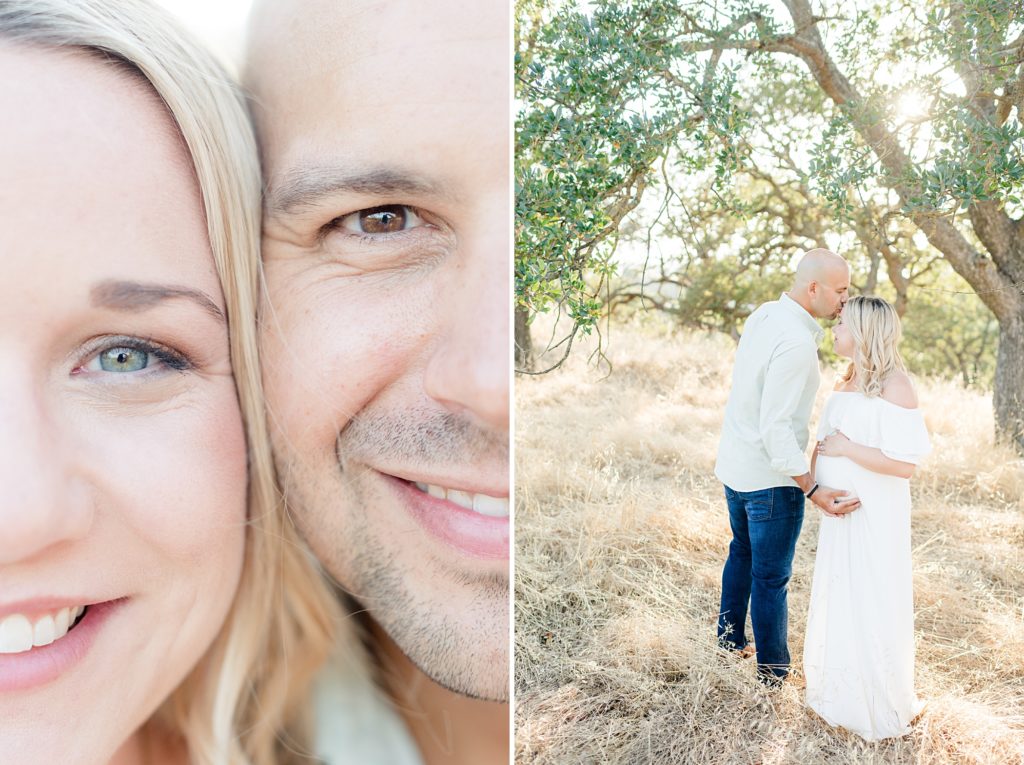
25, 668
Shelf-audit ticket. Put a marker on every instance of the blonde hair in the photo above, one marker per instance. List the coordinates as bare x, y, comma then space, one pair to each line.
244, 703
875, 328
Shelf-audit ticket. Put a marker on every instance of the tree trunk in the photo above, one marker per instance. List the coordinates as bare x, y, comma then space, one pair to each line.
1008, 399
524, 342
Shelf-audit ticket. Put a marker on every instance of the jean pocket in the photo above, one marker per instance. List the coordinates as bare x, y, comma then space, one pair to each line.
788, 502
759, 504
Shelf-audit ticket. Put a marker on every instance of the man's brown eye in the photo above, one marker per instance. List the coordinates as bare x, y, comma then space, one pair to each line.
379, 221
383, 220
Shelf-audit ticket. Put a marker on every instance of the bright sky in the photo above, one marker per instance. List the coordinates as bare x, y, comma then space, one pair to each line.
218, 23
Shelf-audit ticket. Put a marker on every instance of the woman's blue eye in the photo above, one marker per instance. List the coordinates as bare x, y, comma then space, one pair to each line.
126, 355
123, 360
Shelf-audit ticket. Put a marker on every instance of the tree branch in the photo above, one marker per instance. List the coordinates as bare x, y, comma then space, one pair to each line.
997, 289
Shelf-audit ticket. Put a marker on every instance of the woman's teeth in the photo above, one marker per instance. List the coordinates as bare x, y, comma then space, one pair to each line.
18, 634
496, 507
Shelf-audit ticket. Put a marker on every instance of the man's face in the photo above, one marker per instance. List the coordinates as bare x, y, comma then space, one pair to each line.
830, 294
384, 134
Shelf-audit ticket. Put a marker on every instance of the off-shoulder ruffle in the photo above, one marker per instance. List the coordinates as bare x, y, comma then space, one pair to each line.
899, 432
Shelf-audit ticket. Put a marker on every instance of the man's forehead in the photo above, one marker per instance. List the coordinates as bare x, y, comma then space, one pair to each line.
378, 101
310, 58
311, 33
291, 31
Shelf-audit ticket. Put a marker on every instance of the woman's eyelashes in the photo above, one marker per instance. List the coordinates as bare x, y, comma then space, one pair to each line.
125, 356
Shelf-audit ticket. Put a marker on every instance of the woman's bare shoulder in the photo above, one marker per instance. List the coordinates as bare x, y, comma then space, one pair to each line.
899, 389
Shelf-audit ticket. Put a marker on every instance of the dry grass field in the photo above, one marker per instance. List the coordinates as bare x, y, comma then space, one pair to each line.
621, 532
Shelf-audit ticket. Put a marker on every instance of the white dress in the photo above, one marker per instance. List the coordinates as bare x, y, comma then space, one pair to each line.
859, 648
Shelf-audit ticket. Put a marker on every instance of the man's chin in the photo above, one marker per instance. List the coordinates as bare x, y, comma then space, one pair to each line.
462, 668
467, 668
477, 692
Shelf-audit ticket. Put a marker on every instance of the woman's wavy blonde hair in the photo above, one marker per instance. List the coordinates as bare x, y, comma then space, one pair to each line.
875, 328
244, 704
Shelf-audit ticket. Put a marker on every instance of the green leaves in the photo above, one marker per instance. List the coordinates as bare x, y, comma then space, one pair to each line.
604, 97
701, 127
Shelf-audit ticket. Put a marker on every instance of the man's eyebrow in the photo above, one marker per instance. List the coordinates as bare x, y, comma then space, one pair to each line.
136, 296
304, 186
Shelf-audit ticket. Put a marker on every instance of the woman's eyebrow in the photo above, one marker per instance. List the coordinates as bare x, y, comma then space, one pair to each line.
131, 296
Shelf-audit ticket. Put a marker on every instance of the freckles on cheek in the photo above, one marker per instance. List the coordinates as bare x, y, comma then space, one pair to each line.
218, 463
190, 495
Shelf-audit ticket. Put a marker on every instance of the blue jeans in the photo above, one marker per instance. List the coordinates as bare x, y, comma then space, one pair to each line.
765, 526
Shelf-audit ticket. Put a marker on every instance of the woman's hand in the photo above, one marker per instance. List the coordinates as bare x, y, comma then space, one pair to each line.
834, 445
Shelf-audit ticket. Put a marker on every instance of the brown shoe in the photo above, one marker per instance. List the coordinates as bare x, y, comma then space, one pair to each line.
747, 651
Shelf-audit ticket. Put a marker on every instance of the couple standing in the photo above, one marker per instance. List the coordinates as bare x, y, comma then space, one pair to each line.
859, 646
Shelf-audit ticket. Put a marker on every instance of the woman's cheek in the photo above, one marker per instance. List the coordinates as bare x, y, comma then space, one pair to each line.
178, 475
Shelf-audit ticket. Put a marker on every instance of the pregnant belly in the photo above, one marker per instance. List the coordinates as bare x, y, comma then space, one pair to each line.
837, 473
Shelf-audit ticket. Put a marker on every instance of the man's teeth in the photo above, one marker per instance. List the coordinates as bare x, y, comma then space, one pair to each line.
496, 507
18, 634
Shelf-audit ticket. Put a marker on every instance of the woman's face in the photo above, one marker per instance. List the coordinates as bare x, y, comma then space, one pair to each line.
842, 338
122, 453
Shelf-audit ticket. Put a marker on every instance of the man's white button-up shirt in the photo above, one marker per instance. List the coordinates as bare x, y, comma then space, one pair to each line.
774, 382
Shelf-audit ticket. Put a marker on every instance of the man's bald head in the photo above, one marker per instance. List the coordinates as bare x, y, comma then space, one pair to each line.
819, 265
822, 283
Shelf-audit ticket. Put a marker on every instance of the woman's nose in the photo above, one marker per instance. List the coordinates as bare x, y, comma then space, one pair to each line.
43, 502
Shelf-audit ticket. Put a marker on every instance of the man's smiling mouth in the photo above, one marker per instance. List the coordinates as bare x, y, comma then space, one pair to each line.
495, 507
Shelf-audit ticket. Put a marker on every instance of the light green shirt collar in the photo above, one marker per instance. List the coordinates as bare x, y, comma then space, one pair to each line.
809, 321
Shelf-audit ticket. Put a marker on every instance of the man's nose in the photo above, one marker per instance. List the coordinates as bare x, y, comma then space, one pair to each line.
42, 502
469, 372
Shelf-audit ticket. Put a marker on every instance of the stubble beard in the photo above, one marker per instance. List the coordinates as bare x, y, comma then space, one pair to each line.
465, 652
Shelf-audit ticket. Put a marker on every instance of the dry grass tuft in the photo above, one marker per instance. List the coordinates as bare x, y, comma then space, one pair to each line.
621, 533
